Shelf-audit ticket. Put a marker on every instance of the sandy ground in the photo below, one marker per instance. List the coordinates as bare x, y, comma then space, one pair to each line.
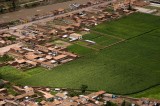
26, 13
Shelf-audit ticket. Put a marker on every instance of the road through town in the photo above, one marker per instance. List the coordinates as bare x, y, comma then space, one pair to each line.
60, 15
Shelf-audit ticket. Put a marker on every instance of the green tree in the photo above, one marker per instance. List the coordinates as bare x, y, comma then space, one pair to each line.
1, 84
83, 88
129, 6
14, 4
123, 103
1, 9
109, 103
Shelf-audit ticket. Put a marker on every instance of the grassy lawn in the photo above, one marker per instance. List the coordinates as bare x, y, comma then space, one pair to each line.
91, 36
12, 74
101, 40
128, 67
81, 50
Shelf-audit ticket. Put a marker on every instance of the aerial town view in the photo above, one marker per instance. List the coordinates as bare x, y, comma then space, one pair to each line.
79, 52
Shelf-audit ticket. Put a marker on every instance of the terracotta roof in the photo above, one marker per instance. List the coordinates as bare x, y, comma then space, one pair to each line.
60, 57
31, 56
31, 62
21, 96
60, 9
60, 95
20, 61
75, 34
49, 57
100, 92
46, 94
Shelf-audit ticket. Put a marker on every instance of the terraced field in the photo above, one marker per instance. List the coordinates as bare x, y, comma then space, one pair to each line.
124, 68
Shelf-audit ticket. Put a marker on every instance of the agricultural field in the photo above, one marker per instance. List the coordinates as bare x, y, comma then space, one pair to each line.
124, 68
129, 26
150, 93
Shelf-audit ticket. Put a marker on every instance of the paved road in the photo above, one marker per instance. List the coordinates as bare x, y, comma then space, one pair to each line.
61, 15
27, 13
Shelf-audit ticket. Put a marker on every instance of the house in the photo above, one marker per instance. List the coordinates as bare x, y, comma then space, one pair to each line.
46, 95
17, 88
31, 56
20, 97
53, 32
61, 95
96, 94
41, 48
3, 90
60, 10
29, 90
32, 63
60, 57
15, 52
48, 65
75, 36
2, 103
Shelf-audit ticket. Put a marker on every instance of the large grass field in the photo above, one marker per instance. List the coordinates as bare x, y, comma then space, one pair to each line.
150, 93
128, 67
129, 26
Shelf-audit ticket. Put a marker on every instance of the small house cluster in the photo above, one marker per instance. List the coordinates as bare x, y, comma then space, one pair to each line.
12, 95
67, 25
7, 39
48, 56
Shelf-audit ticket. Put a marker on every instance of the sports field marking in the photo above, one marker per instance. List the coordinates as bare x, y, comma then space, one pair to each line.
130, 38
107, 35
86, 46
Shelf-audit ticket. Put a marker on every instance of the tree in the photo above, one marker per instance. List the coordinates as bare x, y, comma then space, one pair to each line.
1, 9
109, 103
129, 6
14, 4
126, 103
83, 88
73, 93
1, 84
123, 103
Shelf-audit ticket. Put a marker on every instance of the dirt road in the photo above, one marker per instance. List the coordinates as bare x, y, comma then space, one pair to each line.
27, 13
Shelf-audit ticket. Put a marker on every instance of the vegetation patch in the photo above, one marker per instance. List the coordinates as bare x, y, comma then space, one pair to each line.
5, 58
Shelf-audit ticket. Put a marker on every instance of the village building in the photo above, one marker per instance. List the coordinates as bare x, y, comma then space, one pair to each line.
75, 36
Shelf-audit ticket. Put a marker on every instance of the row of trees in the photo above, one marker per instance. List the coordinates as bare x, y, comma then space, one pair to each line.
8, 5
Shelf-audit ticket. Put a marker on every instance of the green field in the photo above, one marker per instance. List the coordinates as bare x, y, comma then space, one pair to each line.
128, 67
129, 26
150, 93
101, 40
